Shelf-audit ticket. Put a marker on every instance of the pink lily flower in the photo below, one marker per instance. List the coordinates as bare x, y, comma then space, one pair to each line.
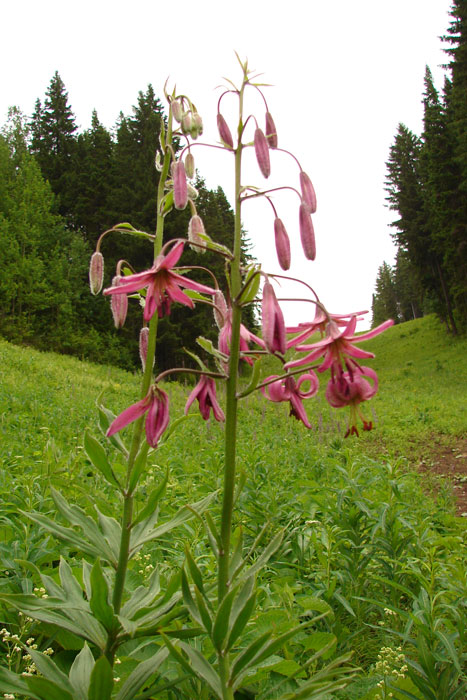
338, 345
351, 389
162, 283
319, 323
156, 405
205, 392
286, 389
273, 321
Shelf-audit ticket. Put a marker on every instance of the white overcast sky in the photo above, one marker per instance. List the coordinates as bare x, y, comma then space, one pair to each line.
344, 74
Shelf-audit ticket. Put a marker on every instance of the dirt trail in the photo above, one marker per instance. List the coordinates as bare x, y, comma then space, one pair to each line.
447, 457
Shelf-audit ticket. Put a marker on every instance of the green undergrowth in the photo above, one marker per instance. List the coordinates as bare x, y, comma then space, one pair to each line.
363, 542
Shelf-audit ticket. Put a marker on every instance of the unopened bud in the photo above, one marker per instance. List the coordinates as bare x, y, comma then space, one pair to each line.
192, 191
273, 325
271, 131
177, 111
262, 152
118, 304
143, 345
195, 229
282, 244
224, 131
96, 272
180, 185
220, 309
190, 166
197, 128
158, 162
308, 191
187, 123
307, 233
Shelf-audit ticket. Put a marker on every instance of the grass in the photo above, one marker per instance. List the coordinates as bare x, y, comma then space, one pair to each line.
357, 519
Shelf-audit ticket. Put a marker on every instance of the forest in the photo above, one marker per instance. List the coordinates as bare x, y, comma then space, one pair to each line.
427, 189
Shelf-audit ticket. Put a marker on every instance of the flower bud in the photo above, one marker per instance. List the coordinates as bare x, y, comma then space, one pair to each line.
143, 345
158, 162
262, 152
307, 233
308, 192
96, 272
177, 110
180, 185
195, 228
192, 191
187, 123
118, 304
272, 321
220, 309
197, 127
271, 132
282, 244
224, 131
190, 166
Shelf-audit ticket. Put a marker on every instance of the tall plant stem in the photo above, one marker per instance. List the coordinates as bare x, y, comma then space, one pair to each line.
128, 497
231, 393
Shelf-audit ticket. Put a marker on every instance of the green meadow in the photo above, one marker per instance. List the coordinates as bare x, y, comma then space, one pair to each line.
371, 542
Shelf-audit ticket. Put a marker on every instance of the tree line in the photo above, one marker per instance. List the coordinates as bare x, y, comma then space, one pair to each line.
59, 190
427, 187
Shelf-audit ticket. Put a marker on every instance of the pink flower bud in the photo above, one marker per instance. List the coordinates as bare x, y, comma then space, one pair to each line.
143, 345
197, 126
282, 244
177, 111
190, 166
307, 233
271, 132
187, 123
220, 309
262, 152
224, 131
272, 321
118, 304
308, 192
180, 185
195, 228
96, 273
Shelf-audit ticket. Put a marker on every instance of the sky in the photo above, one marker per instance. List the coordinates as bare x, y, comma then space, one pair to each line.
343, 75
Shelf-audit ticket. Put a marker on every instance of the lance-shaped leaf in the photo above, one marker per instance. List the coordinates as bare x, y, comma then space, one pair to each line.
47, 690
221, 629
188, 599
243, 660
141, 674
99, 602
80, 673
242, 610
203, 668
106, 418
49, 669
152, 501
98, 457
13, 683
101, 681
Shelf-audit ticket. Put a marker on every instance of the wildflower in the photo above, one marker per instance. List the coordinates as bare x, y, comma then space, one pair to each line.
96, 272
308, 191
262, 152
163, 285
143, 346
282, 244
177, 110
272, 321
118, 304
220, 309
156, 405
224, 131
190, 165
180, 185
286, 389
307, 233
319, 323
271, 131
205, 392
350, 389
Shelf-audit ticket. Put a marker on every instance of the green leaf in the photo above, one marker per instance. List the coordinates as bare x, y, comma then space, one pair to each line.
167, 203
188, 599
220, 628
203, 611
153, 500
254, 378
241, 619
140, 675
101, 682
80, 673
264, 557
48, 668
209, 347
243, 660
106, 417
343, 601
139, 465
98, 457
142, 597
194, 570
47, 690
99, 602
12, 683
250, 285
70, 585
203, 668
